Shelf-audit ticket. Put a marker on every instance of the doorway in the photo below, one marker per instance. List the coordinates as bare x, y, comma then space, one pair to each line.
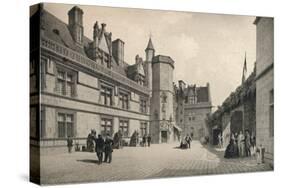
164, 137
216, 133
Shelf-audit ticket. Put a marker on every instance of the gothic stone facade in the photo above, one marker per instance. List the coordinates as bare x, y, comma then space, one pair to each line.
264, 82
192, 105
78, 84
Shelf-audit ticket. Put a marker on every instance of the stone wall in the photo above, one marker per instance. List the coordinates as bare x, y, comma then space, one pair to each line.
197, 126
264, 137
85, 106
265, 28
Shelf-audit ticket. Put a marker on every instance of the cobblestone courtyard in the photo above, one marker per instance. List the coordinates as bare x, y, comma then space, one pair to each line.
161, 160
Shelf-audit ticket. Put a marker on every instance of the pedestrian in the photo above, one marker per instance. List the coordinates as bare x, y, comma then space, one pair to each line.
108, 149
222, 140
253, 144
248, 144
148, 140
144, 140
188, 140
69, 144
120, 135
99, 148
219, 140
235, 145
230, 149
241, 144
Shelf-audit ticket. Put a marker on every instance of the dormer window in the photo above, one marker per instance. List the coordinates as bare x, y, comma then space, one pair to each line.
192, 99
56, 31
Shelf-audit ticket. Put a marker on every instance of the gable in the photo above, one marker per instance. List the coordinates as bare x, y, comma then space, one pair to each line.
103, 44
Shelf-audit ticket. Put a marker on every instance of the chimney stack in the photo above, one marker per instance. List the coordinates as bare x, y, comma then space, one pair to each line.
75, 24
118, 51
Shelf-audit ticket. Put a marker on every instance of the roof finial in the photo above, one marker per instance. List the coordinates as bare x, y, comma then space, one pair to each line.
150, 45
244, 73
150, 34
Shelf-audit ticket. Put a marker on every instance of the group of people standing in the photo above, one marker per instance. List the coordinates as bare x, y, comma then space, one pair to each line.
186, 142
100, 145
146, 140
240, 145
104, 146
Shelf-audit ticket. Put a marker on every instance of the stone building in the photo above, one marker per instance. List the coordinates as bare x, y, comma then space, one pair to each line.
84, 84
265, 89
192, 105
237, 112
162, 121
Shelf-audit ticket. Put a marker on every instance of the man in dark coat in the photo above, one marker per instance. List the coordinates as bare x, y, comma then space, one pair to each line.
108, 149
148, 140
99, 148
144, 140
69, 144
188, 140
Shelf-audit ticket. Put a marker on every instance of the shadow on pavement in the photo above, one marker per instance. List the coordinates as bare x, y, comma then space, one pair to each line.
89, 161
178, 147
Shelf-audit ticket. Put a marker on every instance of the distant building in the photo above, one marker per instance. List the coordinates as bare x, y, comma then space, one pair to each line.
265, 89
192, 105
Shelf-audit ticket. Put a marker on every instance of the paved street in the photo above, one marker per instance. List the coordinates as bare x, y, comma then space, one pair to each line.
160, 160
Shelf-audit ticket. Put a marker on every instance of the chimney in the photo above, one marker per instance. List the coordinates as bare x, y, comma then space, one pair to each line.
209, 92
75, 24
118, 51
103, 25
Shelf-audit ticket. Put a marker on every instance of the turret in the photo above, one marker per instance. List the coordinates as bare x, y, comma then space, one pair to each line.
149, 51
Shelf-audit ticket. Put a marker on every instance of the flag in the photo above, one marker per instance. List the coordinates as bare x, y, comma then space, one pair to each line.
244, 74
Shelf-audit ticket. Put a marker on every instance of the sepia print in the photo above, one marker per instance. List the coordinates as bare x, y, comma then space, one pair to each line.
125, 94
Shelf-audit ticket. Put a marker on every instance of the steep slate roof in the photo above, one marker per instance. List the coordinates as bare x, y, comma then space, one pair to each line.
202, 94
58, 31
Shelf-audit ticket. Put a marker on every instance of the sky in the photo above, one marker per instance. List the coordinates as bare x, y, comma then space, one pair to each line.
205, 47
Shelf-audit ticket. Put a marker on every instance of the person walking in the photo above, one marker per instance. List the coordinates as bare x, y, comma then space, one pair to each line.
188, 141
253, 144
148, 140
144, 140
69, 144
248, 144
108, 149
241, 144
219, 140
99, 148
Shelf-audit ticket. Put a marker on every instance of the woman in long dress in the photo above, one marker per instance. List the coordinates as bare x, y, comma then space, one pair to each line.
231, 149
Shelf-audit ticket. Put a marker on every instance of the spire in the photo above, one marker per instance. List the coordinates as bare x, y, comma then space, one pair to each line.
149, 45
244, 73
